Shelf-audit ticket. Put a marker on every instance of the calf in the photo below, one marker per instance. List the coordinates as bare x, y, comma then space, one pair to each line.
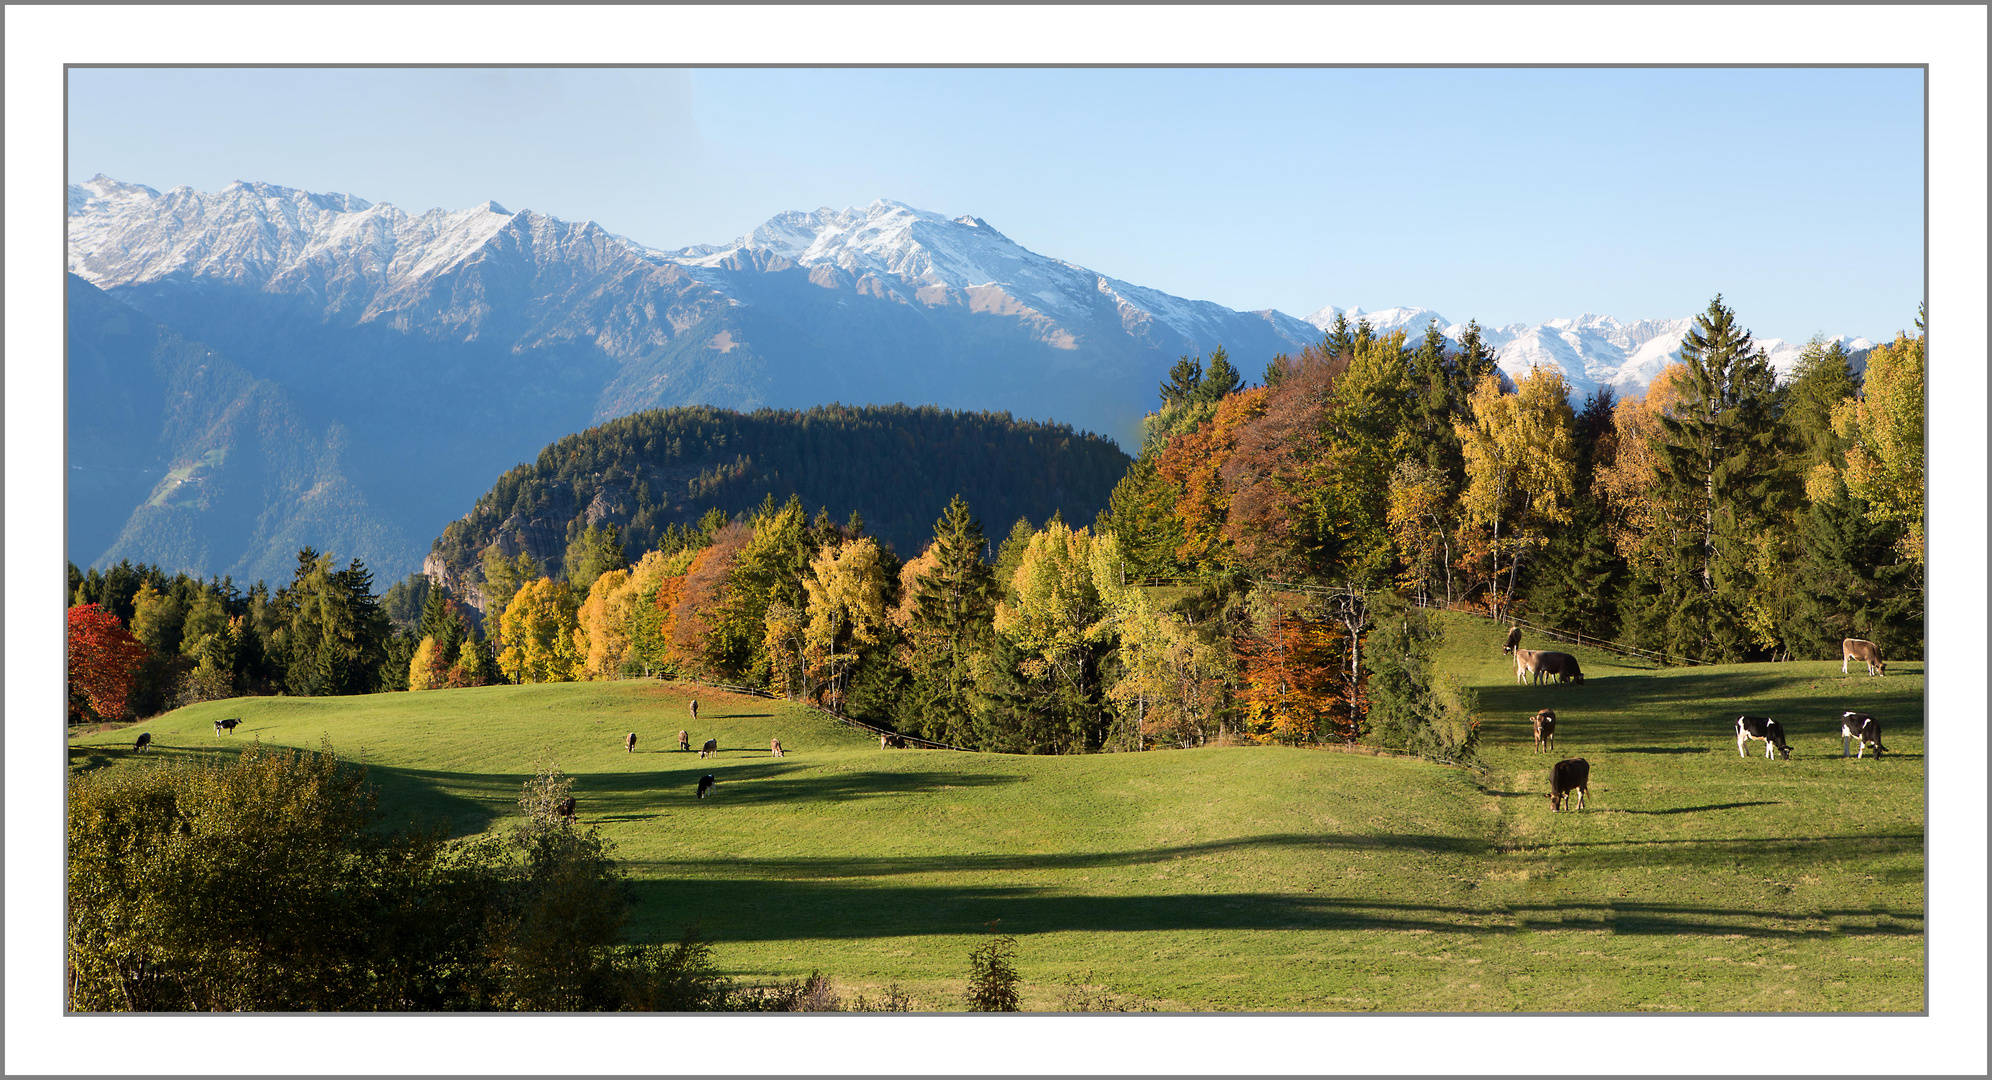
710, 749
1761, 727
1514, 639
684, 740
1860, 649
629, 742
1545, 729
705, 784
775, 747
226, 726
1562, 665
1528, 662
1861, 729
1566, 776
565, 808
143, 744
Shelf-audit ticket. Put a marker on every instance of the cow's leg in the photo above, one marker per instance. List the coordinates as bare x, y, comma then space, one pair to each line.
1741, 741
1844, 657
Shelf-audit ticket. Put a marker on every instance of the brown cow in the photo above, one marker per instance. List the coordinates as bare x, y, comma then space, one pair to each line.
710, 749
1560, 664
1865, 651
1545, 729
684, 740
1568, 775
629, 742
1514, 639
1528, 662
565, 808
695, 710
775, 747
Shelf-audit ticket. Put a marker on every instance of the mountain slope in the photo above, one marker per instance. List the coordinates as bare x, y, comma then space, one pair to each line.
179, 457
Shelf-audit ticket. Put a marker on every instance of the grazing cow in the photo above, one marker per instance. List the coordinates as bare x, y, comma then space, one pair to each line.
1528, 662
1761, 727
1566, 776
226, 726
1861, 729
1854, 648
629, 742
143, 744
705, 784
891, 742
684, 740
1560, 664
566, 808
710, 749
775, 747
1545, 729
695, 710
1514, 639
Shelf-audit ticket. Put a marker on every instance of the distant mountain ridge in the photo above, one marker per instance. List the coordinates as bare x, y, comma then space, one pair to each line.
1591, 350
436, 350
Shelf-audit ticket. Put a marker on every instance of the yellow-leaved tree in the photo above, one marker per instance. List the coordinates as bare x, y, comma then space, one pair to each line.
1885, 464
1521, 469
849, 593
538, 627
600, 637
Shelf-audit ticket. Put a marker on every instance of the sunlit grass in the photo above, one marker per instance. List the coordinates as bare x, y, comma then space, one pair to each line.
1239, 878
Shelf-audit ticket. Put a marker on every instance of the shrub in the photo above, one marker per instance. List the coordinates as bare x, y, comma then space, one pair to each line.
992, 976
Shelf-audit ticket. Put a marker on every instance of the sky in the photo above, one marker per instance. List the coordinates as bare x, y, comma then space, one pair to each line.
1501, 194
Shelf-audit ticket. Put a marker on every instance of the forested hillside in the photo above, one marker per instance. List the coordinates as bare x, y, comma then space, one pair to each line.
894, 466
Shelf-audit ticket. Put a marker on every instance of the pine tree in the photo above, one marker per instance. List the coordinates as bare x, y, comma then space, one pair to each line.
952, 608
1219, 378
1184, 379
1720, 465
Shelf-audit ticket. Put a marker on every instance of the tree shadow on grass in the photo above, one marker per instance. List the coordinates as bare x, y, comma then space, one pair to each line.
735, 909
1695, 809
1658, 750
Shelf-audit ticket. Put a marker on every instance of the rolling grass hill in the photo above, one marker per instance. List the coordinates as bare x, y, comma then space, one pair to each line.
1223, 879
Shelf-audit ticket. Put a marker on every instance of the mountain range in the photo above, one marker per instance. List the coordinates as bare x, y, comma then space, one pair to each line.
425, 354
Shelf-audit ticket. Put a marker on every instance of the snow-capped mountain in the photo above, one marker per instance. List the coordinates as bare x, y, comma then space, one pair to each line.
445, 346
1591, 350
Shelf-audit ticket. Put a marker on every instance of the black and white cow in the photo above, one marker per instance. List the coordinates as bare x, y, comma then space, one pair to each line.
1566, 776
1761, 727
143, 744
226, 727
705, 784
1861, 729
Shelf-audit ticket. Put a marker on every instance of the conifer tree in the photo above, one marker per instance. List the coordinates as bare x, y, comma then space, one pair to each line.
1219, 379
952, 607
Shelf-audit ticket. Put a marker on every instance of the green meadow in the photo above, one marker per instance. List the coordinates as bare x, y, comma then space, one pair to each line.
1239, 878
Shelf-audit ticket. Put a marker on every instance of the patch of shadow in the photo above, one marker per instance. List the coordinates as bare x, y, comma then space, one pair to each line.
1659, 750
1695, 809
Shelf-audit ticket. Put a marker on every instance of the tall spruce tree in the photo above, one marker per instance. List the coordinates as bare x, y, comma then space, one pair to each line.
1720, 465
952, 607
1219, 378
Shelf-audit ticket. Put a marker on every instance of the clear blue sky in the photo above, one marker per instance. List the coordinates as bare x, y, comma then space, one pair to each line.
1506, 195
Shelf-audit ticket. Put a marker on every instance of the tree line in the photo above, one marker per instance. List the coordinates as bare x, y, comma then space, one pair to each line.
1255, 574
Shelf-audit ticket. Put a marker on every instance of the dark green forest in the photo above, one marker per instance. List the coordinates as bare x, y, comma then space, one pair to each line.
895, 466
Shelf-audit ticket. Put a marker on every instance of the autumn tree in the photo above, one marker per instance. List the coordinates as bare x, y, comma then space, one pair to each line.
104, 660
1520, 471
1173, 684
1294, 686
601, 633
1053, 625
849, 587
538, 630
1884, 425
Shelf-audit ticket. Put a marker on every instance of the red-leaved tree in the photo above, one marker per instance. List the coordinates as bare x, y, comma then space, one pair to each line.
104, 659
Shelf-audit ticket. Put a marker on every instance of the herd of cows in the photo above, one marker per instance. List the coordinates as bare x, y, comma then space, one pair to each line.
1569, 778
1572, 776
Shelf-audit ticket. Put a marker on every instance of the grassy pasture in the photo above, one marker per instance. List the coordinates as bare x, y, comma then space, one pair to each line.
1262, 878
